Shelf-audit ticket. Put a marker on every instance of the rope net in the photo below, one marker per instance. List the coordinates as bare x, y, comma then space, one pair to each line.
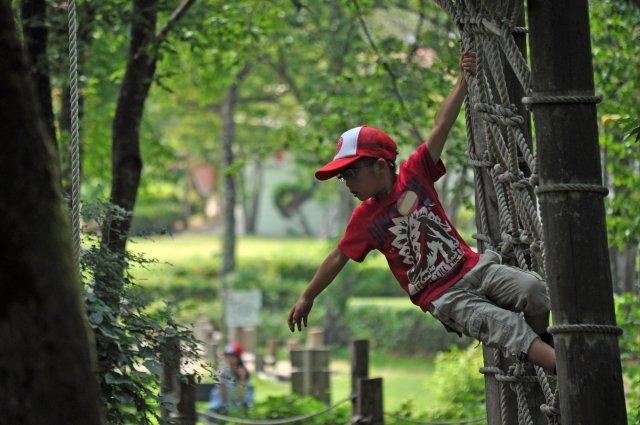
487, 28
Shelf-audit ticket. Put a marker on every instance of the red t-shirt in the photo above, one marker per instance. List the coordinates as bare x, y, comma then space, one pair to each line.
424, 251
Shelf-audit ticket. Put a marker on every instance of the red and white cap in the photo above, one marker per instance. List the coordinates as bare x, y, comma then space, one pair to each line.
357, 143
234, 349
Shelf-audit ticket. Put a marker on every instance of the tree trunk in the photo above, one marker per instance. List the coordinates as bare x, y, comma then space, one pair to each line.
46, 366
125, 154
623, 268
36, 35
228, 135
252, 201
589, 370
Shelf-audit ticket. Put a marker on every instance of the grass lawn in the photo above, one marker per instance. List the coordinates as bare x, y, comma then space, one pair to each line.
195, 248
403, 379
189, 247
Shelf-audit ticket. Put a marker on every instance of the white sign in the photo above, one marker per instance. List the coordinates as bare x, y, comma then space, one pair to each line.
242, 308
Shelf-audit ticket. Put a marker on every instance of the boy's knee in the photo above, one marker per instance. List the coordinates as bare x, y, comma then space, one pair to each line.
536, 297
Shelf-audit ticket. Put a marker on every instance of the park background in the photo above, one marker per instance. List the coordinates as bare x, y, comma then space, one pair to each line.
238, 103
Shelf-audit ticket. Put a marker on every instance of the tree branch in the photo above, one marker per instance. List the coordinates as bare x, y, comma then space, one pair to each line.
175, 17
394, 80
272, 98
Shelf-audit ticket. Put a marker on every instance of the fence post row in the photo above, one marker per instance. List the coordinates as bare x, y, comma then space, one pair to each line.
310, 376
311, 379
359, 368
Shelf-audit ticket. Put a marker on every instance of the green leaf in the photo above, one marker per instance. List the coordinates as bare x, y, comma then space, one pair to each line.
168, 398
96, 318
114, 378
170, 407
153, 366
122, 397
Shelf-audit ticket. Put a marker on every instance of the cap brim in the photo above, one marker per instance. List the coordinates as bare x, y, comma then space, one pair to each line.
333, 168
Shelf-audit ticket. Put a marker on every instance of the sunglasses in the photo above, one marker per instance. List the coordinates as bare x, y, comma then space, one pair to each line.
351, 172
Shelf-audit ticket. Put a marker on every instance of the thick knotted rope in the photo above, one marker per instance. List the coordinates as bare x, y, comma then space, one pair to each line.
586, 328
573, 188
560, 99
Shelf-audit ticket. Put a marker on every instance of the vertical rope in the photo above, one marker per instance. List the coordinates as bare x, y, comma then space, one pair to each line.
75, 149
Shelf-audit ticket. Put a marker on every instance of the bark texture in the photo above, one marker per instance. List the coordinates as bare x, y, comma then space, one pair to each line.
125, 151
228, 135
46, 366
36, 35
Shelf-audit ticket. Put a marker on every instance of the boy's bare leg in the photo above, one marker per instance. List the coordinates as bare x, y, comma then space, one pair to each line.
538, 323
541, 354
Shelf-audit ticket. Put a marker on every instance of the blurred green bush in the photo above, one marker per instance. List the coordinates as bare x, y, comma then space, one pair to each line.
459, 389
402, 330
405, 331
152, 215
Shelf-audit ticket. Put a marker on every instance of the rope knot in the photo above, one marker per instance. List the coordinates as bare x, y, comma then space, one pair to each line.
550, 410
526, 238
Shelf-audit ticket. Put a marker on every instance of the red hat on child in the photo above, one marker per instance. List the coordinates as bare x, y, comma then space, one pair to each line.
357, 143
234, 349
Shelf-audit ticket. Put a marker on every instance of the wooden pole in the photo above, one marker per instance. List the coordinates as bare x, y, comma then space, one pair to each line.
370, 402
589, 370
359, 368
187, 414
168, 378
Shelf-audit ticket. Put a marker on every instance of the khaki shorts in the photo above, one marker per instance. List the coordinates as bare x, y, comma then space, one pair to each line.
485, 303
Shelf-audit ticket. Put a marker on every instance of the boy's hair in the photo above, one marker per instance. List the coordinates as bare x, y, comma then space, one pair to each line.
392, 165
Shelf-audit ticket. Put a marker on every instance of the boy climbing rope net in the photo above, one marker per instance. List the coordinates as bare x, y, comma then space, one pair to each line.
402, 217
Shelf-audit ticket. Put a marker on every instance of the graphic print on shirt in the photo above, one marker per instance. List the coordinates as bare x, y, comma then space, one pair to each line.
425, 241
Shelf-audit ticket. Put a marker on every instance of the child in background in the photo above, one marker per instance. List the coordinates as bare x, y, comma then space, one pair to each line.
235, 391
402, 217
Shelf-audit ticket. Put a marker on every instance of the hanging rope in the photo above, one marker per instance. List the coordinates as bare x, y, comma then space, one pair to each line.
420, 421
75, 145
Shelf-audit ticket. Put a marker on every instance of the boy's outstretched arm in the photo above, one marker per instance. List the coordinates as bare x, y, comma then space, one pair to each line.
328, 271
448, 112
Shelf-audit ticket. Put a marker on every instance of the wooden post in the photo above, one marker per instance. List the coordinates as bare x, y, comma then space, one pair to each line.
589, 370
259, 362
315, 338
249, 339
187, 414
310, 375
369, 408
272, 351
168, 378
297, 372
359, 368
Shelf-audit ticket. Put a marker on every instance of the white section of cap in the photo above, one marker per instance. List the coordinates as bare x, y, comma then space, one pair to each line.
349, 143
